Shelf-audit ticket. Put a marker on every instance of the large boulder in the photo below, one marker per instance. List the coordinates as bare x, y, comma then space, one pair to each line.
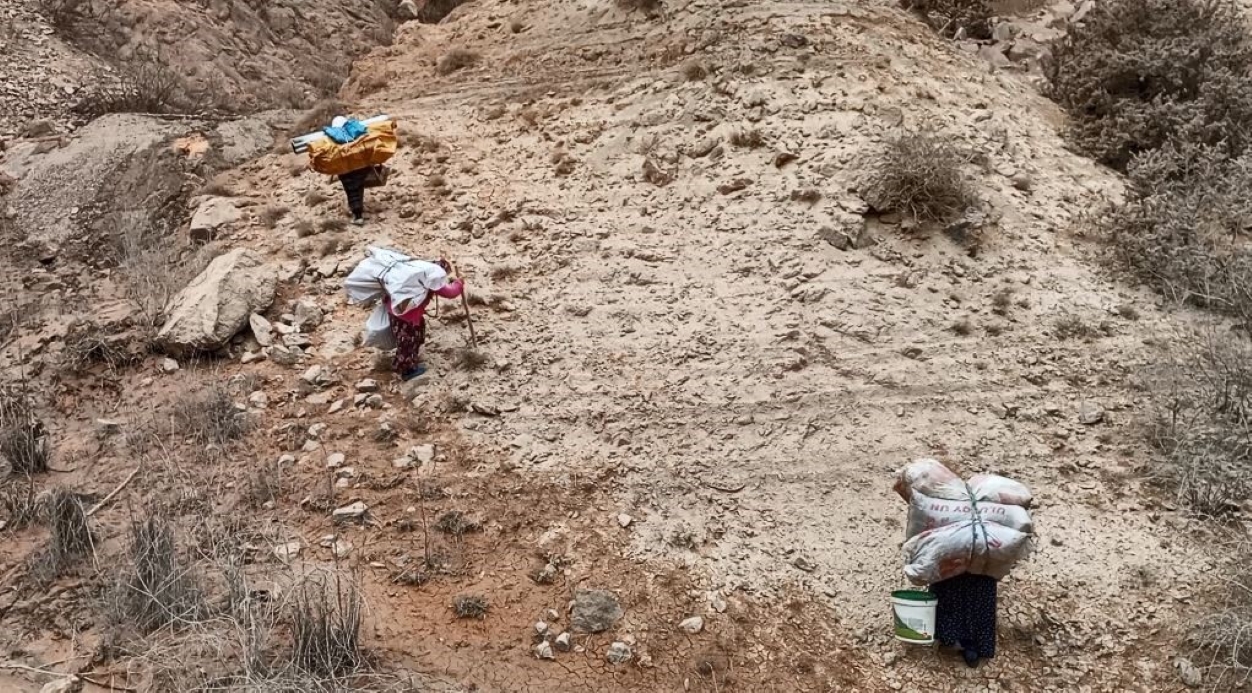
218, 303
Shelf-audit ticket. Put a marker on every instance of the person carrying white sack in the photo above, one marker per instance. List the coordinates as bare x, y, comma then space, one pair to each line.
963, 538
404, 286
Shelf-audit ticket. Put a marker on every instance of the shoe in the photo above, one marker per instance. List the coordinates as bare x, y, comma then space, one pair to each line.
359, 221
971, 657
413, 373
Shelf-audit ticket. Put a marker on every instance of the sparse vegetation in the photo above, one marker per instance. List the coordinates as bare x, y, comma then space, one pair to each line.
326, 627
468, 359
86, 345
470, 606
315, 198
1137, 75
650, 7
1202, 422
747, 139
563, 163
1222, 634
954, 18
1075, 327
271, 215
23, 438
210, 417
332, 224
156, 588
456, 523
808, 196
217, 187
18, 507
919, 175
962, 327
305, 228
456, 59
149, 85
694, 71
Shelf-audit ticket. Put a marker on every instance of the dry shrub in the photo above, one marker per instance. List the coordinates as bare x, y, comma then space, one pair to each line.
434, 11
747, 139
919, 175
333, 225
325, 623
149, 85
61, 14
315, 198
470, 606
210, 417
456, 59
70, 541
18, 506
152, 267
468, 359
456, 523
1222, 635
270, 216
695, 71
954, 18
650, 7
1201, 421
218, 188
86, 345
1075, 327
156, 588
23, 438
1182, 226
305, 228
1137, 74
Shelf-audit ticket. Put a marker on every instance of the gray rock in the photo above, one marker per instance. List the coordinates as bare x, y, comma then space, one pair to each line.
624, 520
308, 316
564, 642
211, 217
349, 513
110, 427
335, 460
692, 625
595, 611
218, 302
407, 10
68, 684
282, 356
995, 56
367, 385
1090, 413
619, 653
544, 651
1190, 675
261, 329
259, 400
541, 628
169, 366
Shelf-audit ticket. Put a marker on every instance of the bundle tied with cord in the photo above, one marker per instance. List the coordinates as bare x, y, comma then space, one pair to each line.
982, 526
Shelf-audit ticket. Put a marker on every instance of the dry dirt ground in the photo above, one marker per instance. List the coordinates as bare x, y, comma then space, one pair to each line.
689, 395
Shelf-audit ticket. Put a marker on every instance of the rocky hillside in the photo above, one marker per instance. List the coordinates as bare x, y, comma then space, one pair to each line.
667, 465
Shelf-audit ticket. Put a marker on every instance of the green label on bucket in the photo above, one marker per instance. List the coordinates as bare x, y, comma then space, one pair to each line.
907, 633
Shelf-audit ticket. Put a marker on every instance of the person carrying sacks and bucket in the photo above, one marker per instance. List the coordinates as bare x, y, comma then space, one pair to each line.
403, 287
355, 153
962, 539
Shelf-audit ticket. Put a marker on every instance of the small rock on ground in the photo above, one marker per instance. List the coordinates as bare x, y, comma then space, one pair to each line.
595, 611
619, 653
693, 625
544, 651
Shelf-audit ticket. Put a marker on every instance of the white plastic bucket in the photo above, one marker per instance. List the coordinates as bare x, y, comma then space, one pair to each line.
913, 612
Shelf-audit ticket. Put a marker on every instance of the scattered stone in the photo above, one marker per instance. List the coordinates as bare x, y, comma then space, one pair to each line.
316, 430
251, 357
169, 365
1090, 413
374, 401
367, 385
335, 460
216, 305
890, 659
624, 520
259, 400
213, 215
734, 186
619, 653
288, 551
718, 602
595, 611
804, 564
315, 375
564, 642
1023, 182
308, 316
543, 650
110, 427
541, 628
282, 356
1190, 675
336, 406
551, 616
341, 549
287, 459
692, 625
349, 513
68, 684
407, 10
261, 329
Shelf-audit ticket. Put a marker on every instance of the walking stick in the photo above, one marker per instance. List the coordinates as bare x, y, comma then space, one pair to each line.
469, 321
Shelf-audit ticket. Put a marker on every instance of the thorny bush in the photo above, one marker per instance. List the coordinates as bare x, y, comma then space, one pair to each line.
920, 175
1137, 74
954, 18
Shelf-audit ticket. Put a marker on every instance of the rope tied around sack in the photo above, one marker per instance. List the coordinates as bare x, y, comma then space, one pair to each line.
976, 525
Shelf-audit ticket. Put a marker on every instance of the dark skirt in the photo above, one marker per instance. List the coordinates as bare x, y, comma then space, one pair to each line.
409, 340
966, 615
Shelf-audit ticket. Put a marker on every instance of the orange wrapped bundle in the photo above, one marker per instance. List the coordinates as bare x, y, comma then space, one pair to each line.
371, 149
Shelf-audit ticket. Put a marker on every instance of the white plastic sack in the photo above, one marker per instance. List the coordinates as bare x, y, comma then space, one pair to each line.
926, 513
931, 478
389, 273
378, 330
964, 547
